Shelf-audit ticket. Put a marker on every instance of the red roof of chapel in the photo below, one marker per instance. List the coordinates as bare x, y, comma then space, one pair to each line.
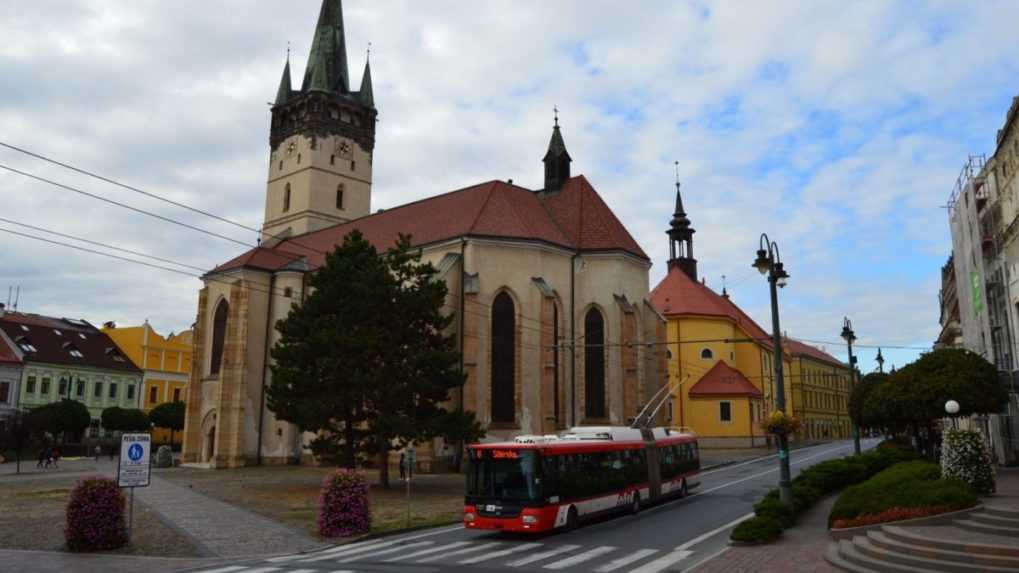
724, 380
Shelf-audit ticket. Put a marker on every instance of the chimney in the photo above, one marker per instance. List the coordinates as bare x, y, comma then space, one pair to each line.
2, 309
109, 324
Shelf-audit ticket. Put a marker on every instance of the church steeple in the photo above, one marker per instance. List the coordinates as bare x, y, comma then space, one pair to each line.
557, 160
327, 62
366, 94
283, 93
681, 237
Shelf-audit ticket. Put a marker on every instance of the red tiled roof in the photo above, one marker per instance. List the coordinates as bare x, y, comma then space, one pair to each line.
679, 295
574, 218
724, 380
7, 354
797, 348
97, 349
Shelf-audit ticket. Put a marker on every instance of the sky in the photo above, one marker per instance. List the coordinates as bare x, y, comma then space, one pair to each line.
837, 128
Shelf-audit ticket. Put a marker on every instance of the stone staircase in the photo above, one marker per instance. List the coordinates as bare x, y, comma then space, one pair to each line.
985, 541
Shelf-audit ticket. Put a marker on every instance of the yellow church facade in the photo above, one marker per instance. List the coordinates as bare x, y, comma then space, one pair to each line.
166, 362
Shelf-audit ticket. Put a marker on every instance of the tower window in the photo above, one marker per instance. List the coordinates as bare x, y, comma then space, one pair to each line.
332, 160
218, 336
286, 198
281, 165
339, 196
353, 166
707, 354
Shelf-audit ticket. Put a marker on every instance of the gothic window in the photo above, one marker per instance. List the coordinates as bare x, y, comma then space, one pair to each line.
281, 165
332, 160
594, 364
555, 361
339, 196
353, 166
286, 198
503, 359
218, 336
707, 354
298, 158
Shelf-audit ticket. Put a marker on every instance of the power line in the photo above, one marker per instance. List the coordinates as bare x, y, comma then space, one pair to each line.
123, 205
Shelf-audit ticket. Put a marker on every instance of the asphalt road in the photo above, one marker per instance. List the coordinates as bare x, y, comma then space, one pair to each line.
674, 536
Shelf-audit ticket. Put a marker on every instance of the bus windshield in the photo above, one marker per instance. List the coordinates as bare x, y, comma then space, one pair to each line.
504, 474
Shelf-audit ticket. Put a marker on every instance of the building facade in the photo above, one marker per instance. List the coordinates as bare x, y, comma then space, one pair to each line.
721, 362
548, 289
10, 376
983, 211
950, 318
66, 358
820, 392
166, 363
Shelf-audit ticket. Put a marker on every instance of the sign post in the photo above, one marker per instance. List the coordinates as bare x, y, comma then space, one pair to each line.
134, 468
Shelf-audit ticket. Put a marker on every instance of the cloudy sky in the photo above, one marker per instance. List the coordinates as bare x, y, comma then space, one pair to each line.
837, 128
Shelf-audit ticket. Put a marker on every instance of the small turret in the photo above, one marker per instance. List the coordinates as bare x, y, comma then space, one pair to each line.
557, 160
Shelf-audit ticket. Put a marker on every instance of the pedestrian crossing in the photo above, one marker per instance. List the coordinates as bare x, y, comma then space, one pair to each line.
471, 555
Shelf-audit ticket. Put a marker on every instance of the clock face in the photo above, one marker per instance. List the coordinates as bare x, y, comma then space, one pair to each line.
291, 148
343, 149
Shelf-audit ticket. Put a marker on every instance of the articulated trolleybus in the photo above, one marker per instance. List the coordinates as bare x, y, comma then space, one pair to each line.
539, 483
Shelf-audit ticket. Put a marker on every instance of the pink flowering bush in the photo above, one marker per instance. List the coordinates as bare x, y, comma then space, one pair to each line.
343, 505
95, 516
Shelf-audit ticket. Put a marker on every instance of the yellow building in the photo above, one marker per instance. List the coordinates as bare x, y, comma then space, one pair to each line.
721, 362
820, 385
165, 361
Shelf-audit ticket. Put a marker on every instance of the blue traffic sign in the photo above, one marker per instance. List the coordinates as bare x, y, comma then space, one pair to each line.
135, 452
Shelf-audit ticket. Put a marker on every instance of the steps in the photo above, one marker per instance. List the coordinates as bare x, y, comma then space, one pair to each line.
981, 543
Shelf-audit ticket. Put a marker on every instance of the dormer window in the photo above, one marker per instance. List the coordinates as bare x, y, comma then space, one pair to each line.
82, 336
57, 332
25, 328
75, 353
25, 344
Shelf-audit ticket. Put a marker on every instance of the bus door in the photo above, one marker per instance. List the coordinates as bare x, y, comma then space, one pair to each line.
654, 474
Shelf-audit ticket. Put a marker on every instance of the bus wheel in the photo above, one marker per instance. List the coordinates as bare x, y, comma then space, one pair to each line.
682, 489
635, 508
572, 519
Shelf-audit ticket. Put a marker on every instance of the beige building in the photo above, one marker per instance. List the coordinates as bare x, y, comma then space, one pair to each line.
549, 290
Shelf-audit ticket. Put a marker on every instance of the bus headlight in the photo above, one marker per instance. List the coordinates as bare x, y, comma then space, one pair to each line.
531, 519
469, 517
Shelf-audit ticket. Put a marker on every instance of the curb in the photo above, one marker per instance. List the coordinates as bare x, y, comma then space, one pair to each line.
948, 516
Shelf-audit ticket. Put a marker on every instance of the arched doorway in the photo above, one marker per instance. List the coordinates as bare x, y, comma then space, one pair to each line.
210, 443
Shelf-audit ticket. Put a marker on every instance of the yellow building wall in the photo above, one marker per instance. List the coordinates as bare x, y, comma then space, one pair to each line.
822, 399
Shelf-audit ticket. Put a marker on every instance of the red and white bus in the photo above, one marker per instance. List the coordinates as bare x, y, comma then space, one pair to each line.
540, 483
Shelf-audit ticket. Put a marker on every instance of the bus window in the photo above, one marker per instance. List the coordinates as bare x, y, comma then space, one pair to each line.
509, 475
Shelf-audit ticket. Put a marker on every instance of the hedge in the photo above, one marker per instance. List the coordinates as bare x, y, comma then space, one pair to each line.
907, 486
814, 483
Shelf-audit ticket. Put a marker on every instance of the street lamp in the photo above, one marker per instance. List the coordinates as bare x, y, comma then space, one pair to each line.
952, 408
769, 263
880, 361
849, 336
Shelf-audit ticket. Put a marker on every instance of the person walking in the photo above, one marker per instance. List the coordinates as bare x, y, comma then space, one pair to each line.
43, 458
55, 457
403, 466
97, 452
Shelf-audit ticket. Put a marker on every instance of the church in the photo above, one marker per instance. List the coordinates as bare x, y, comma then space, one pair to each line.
549, 291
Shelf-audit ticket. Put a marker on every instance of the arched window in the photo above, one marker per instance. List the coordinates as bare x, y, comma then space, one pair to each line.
555, 361
594, 364
503, 359
218, 336
707, 354
286, 198
339, 195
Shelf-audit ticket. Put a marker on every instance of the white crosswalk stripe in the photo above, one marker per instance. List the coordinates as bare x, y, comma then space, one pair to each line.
542, 556
501, 553
429, 551
262, 570
662, 562
580, 558
625, 560
463, 551
230, 569
345, 551
381, 552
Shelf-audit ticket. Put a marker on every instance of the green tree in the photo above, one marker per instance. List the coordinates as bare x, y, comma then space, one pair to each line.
169, 415
60, 419
16, 436
459, 428
364, 361
125, 420
865, 386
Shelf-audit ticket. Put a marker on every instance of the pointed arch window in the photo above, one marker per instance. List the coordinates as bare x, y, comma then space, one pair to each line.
286, 198
594, 364
503, 359
339, 195
218, 336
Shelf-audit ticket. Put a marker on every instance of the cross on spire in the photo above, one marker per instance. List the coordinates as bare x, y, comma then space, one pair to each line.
555, 110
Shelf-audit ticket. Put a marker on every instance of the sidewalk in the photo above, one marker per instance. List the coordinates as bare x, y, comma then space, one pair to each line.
715, 457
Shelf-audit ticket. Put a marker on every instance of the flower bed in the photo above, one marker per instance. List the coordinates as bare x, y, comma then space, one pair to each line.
904, 491
344, 505
965, 458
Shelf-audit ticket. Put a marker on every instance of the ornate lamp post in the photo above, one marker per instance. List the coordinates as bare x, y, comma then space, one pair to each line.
880, 361
769, 263
952, 408
849, 336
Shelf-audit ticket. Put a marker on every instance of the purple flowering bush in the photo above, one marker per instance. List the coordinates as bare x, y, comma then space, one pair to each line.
95, 516
343, 505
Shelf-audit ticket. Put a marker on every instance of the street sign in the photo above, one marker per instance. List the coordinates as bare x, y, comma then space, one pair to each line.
134, 469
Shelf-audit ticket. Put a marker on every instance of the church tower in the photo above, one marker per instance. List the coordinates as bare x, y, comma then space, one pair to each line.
681, 238
557, 161
322, 139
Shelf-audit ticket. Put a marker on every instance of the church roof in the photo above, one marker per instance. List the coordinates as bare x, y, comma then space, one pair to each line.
679, 295
575, 218
724, 380
797, 348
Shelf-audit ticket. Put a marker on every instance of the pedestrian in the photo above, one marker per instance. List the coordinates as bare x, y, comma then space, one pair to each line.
42, 458
55, 457
403, 466
112, 451
98, 451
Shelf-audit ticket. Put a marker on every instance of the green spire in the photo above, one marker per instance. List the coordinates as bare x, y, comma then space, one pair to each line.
366, 94
327, 63
283, 93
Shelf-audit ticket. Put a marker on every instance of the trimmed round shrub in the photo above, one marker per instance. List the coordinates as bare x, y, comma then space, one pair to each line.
772, 508
95, 516
343, 505
757, 530
164, 457
964, 458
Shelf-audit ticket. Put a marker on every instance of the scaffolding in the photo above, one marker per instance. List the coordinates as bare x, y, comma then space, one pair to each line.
972, 173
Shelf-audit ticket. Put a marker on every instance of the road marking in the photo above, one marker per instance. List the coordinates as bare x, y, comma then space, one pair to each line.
582, 557
429, 551
230, 569
623, 561
543, 555
302, 571
346, 551
481, 547
766, 472
713, 532
662, 562
381, 552
696, 564
755, 460
263, 570
502, 553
